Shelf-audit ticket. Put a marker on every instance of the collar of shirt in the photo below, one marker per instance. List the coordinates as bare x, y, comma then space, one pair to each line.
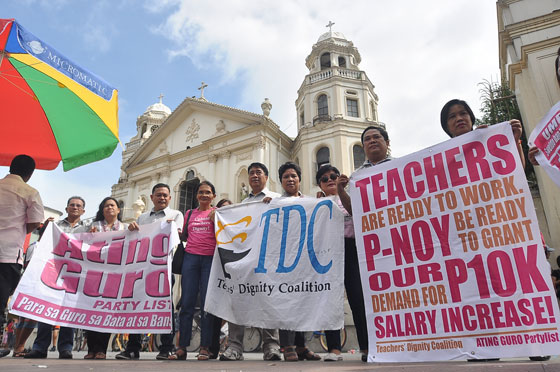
160, 212
368, 163
285, 194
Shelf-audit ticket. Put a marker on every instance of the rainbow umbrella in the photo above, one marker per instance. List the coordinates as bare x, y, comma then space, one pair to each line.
51, 108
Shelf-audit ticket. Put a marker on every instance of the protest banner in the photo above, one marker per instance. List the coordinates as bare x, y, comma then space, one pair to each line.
108, 281
546, 137
279, 265
451, 260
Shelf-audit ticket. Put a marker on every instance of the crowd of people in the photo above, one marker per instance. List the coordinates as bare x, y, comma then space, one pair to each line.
197, 230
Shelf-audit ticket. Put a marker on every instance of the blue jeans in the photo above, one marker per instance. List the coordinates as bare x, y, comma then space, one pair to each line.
194, 281
44, 336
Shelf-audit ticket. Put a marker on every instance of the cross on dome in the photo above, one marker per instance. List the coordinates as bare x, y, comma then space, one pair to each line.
330, 25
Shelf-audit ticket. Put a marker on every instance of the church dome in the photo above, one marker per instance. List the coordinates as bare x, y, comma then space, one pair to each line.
158, 107
331, 34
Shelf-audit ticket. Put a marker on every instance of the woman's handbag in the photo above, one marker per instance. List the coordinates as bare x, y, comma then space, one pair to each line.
177, 263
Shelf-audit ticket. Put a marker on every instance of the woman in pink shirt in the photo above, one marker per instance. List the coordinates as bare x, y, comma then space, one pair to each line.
201, 243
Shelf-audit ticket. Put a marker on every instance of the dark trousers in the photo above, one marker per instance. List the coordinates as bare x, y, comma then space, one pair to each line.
194, 282
44, 334
134, 343
290, 338
353, 285
9, 279
97, 342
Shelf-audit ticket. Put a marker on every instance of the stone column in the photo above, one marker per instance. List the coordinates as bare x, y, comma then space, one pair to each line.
226, 180
212, 167
259, 150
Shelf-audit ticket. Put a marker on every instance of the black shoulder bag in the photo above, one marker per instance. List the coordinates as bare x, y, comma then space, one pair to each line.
177, 263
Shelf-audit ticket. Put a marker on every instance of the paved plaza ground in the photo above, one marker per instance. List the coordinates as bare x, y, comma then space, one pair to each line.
254, 362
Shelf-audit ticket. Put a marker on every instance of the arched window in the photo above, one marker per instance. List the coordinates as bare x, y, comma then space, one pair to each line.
144, 129
323, 157
359, 156
322, 105
187, 197
325, 61
342, 61
121, 205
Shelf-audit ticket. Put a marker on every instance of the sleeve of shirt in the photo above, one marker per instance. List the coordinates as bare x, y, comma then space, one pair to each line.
35, 212
179, 220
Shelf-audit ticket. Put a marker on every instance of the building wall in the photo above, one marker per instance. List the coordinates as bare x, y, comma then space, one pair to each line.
529, 36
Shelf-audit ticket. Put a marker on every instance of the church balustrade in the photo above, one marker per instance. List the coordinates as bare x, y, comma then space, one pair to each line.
336, 71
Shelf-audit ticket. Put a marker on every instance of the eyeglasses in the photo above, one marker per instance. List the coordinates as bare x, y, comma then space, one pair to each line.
79, 206
333, 177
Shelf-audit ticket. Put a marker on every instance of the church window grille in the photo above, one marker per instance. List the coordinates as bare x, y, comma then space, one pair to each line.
187, 197
323, 157
325, 61
359, 156
352, 107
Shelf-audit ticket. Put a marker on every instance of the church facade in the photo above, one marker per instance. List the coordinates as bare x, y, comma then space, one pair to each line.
202, 140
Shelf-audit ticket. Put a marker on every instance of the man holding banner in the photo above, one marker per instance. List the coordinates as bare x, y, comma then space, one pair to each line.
161, 196
72, 224
258, 177
375, 141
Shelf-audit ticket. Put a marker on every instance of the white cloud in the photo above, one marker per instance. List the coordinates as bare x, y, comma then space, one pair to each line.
417, 54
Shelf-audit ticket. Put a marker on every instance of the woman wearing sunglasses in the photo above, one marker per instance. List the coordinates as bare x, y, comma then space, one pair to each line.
326, 178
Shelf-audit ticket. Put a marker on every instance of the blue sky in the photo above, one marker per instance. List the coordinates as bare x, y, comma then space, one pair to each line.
417, 57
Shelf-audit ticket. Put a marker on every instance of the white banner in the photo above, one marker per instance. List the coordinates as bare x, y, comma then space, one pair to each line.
450, 253
108, 281
546, 137
279, 265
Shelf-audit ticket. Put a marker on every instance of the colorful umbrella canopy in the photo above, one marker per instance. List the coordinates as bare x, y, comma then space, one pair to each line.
51, 108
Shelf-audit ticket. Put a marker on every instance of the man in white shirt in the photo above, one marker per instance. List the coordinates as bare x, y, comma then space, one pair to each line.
72, 224
161, 196
258, 176
21, 212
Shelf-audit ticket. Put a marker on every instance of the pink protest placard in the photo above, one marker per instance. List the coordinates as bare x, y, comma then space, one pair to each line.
110, 281
451, 260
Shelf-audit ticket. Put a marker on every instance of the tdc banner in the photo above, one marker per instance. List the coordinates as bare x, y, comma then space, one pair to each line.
108, 281
451, 259
279, 265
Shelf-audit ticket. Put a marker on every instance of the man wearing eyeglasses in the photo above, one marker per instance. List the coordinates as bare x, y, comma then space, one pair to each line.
258, 177
72, 224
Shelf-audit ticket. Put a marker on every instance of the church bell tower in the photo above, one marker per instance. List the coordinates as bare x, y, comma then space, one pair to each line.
335, 102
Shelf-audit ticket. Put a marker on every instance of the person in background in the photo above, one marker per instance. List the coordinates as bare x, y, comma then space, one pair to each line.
21, 212
161, 197
258, 177
108, 218
199, 251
